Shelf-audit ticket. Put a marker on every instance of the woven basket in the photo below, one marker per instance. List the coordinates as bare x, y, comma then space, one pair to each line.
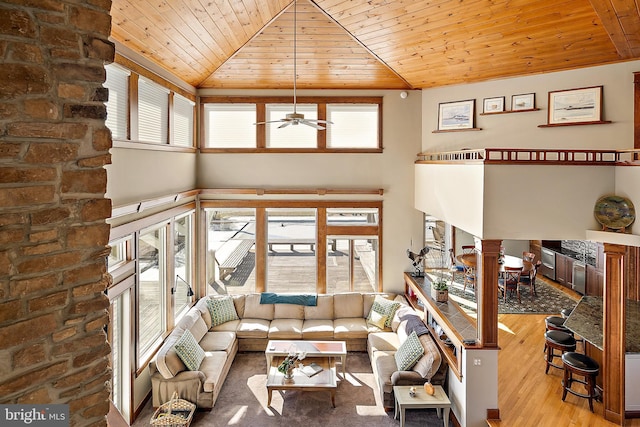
175, 413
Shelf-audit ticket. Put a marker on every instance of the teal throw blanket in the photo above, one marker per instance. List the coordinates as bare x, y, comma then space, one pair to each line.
300, 299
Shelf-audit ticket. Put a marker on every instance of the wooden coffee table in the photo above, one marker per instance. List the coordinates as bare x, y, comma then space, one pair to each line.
421, 400
325, 380
328, 349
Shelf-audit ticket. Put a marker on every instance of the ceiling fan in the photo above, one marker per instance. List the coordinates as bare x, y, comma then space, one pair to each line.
296, 118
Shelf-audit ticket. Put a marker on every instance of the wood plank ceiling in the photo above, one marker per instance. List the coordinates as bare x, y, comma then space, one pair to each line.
373, 44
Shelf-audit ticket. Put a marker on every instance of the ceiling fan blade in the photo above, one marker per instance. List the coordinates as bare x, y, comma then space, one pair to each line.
313, 125
318, 121
284, 125
272, 121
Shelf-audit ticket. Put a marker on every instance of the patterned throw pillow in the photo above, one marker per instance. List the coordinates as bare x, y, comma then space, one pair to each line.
189, 351
409, 352
222, 310
376, 319
384, 307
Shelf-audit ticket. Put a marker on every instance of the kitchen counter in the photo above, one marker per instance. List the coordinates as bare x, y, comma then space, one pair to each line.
586, 321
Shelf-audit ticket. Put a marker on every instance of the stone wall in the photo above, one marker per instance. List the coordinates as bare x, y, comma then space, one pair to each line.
53, 234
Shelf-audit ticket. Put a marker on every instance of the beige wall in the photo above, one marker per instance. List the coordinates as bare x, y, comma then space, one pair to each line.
392, 171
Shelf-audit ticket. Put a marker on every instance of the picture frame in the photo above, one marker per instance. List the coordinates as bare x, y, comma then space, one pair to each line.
493, 105
456, 115
582, 105
523, 101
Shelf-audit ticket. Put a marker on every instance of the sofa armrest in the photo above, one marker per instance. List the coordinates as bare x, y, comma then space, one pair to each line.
407, 378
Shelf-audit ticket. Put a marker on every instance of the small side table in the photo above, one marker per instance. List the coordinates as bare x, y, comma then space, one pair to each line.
421, 400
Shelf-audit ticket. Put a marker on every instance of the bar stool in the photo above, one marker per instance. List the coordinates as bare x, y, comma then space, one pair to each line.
555, 323
557, 340
579, 364
566, 312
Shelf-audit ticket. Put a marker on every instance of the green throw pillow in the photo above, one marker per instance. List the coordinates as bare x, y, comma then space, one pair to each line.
409, 352
222, 310
189, 351
383, 307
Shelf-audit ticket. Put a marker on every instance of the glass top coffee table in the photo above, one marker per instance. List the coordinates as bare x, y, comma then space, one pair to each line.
324, 380
328, 349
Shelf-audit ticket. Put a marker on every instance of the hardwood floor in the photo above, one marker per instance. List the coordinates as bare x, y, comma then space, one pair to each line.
527, 397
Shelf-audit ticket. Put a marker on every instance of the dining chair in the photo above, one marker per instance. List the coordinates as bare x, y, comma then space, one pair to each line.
528, 256
468, 249
509, 281
528, 278
455, 267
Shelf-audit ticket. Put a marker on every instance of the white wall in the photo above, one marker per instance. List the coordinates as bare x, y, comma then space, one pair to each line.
391, 170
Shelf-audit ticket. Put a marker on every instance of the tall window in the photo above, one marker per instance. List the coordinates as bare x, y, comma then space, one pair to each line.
182, 125
231, 261
183, 265
153, 112
151, 291
117, 106
291, 257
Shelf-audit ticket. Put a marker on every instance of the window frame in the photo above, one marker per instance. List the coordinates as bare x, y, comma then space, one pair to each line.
261, 130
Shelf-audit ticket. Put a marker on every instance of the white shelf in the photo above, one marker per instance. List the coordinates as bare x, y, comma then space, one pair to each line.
613, 237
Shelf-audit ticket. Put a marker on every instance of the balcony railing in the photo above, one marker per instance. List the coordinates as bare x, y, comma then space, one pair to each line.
535, 156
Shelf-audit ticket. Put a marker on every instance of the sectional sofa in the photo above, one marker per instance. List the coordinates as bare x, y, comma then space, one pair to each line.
222, 326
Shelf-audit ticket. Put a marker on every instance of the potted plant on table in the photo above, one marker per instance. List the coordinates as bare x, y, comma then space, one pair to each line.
440, 290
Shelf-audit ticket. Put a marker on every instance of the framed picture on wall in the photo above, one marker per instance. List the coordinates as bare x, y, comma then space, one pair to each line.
525, 101
493, 105
575, 105
456, 115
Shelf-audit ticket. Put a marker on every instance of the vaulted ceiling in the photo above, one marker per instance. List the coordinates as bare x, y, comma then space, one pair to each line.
373, 44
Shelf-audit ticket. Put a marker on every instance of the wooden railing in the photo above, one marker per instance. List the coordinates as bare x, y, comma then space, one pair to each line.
535, 156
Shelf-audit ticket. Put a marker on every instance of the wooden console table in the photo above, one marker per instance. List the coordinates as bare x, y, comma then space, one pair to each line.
447, 317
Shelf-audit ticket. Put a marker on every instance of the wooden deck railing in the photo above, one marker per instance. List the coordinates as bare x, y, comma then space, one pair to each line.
535, 156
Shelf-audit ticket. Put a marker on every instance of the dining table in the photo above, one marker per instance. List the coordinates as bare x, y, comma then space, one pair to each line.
469, 260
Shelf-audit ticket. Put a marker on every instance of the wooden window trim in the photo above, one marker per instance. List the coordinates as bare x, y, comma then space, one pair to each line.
261, 102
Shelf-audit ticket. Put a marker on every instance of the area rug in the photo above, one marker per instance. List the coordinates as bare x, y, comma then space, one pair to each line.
547, 300
243, 401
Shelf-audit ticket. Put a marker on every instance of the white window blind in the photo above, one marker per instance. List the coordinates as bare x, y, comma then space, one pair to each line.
230, 125
292, 136
153, 112
354, 126
182, 121
118, 84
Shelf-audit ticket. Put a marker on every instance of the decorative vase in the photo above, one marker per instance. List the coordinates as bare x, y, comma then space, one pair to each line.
289, 373
428, 388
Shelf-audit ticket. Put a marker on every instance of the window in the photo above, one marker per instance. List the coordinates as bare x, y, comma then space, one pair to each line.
119, 339
230, 125
118, 105
151, 291
291, 256
182, 126
354, 126
230, 254
292, 136
183, 264
279, 246
118, 254
153, 112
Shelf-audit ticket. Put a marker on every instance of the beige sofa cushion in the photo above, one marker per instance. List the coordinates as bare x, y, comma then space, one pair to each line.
212, 367
317, 329
355, 327
429, 363
348, 305
230, 326
167, 361
288, 311
286, 329
383, 341
323, 309
198, 328
254, 310
253, 328
218, 341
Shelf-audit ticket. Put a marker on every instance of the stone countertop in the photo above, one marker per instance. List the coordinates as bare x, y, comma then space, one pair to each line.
586, 321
